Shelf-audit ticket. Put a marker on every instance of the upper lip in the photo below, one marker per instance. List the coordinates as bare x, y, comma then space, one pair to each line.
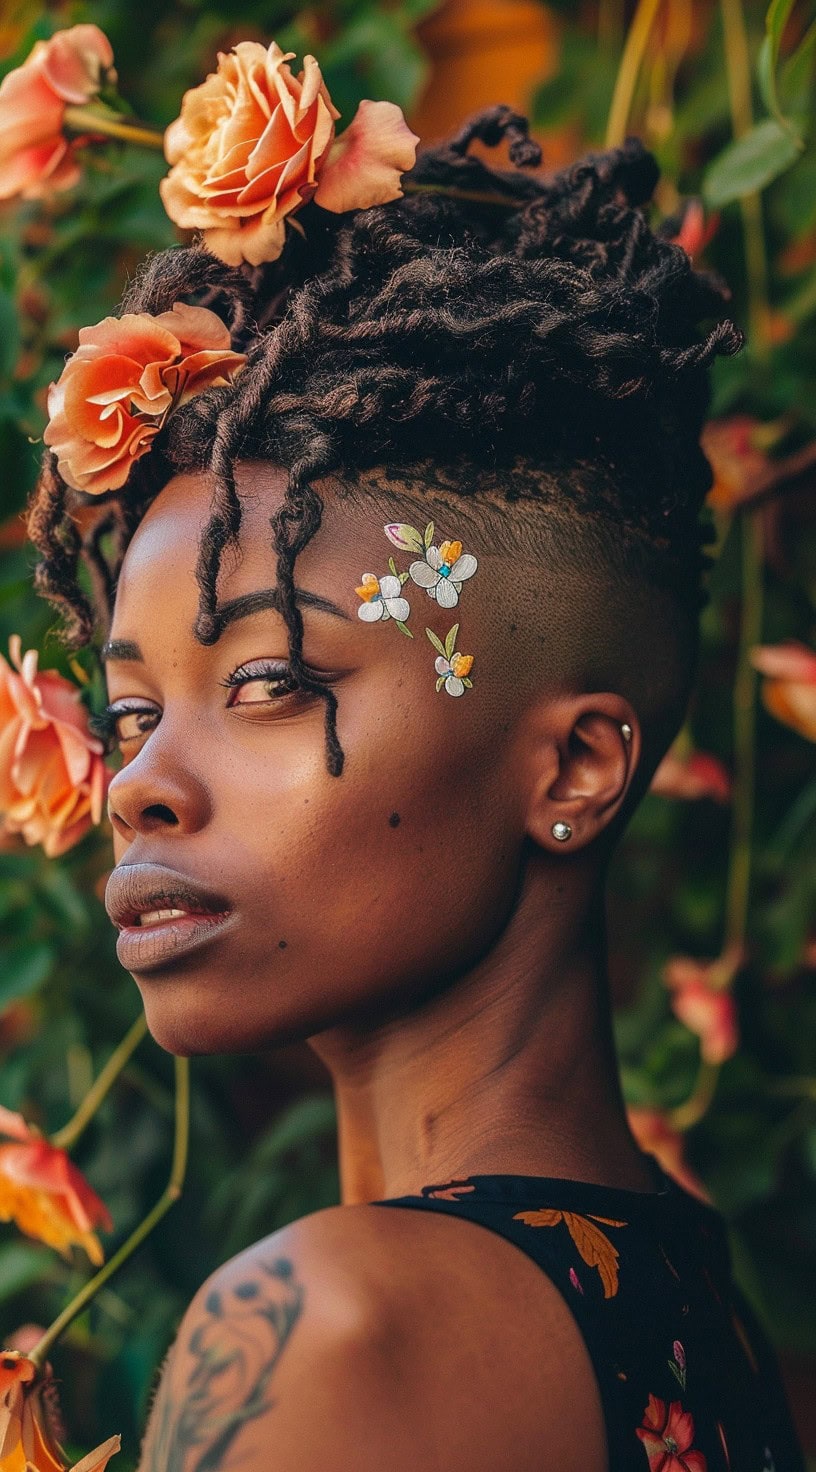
136, 889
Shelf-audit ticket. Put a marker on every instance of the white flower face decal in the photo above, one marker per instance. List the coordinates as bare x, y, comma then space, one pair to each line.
452, 669
440, 570
382, 598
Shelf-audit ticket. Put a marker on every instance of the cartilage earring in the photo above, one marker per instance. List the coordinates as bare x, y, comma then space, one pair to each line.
561, 831
626, 731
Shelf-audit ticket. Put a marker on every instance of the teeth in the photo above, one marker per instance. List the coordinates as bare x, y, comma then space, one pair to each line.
155, 917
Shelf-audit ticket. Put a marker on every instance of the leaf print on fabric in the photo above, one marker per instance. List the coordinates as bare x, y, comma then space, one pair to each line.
595, 1247
667, 1433
678, 1364
726, 1453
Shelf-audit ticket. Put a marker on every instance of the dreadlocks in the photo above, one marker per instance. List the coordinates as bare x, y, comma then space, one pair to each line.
549, 341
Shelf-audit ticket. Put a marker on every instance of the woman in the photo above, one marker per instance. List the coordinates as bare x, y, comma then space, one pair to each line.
368, 797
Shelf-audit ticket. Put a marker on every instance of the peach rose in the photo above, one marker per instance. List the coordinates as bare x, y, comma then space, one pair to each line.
702, 1001
53, 777
254, 143
72, 67
789, 690
116, 391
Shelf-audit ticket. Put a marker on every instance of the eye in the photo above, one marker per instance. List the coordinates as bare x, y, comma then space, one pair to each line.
118, 724
261, 682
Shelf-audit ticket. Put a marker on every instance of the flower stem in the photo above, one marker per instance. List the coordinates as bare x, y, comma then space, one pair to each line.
167, 1199
742, 820
738, 77
629, 70
67, 1137
103, 123
691, 1111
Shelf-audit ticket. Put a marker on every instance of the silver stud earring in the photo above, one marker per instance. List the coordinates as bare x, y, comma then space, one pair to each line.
626, 731
561, 831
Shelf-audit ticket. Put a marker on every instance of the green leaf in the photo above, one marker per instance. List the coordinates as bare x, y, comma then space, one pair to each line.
393, 567
440, 682
403, 577
437, 643
403, 628
25, 968
407, 538
467, 682
429, 531
450, 642
750, 163
796, 79
775, 22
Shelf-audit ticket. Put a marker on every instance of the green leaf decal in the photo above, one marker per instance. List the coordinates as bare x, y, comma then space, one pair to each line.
407, 538
450, 642
403, 628
467, 682
750, 163
437, 643
393, 567
403, 577
440, 682
429, 531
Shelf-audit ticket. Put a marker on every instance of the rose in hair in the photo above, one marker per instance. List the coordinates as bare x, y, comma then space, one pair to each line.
254, 143
71, 68
53, 777
117, 390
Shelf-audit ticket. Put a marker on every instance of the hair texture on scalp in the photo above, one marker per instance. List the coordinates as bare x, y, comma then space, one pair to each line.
554, 331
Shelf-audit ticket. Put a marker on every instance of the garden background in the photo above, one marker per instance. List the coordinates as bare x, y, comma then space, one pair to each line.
720, 863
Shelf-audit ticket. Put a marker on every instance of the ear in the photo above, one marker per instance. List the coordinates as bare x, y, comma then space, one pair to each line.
586, 765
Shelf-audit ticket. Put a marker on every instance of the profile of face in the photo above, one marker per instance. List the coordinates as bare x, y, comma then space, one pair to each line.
309, 901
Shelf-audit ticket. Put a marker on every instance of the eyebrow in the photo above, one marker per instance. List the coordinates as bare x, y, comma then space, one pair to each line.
234, 609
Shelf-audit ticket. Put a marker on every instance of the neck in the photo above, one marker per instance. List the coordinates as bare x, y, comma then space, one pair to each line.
511, 1069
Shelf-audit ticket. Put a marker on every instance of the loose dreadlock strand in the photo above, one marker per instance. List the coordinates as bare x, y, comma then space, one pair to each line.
561, 332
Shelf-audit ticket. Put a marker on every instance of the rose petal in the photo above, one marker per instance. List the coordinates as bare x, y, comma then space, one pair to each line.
365, 164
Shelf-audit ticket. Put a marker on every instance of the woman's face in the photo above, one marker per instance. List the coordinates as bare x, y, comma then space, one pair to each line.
330, 899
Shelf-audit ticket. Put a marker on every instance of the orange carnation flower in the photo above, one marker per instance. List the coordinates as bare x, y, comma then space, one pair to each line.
254, 142
53, 777
44, 1194
27, 1440
72, 67
789, 691
127, 375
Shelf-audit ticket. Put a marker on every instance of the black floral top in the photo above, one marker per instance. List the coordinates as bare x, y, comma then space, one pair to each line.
688, 1380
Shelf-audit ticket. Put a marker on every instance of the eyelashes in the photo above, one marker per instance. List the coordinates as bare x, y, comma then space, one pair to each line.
124, 721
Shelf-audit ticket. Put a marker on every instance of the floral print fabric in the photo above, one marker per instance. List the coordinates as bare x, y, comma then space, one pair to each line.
687, 1377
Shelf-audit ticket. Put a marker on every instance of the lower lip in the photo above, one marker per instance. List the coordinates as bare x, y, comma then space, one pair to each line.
143, 948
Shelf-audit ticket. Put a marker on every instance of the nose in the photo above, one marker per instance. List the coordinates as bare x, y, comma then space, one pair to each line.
150, 795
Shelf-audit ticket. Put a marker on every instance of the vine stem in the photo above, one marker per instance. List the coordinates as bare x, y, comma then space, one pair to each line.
691, 1111
167, 1199
106, 124
629, 70
67, 1137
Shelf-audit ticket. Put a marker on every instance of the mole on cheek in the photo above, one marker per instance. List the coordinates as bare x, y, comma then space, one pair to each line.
281, 945
394, 820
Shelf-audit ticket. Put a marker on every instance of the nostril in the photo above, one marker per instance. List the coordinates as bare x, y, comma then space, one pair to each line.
161, 812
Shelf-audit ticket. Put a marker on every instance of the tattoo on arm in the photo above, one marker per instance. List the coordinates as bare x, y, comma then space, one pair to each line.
234, 1352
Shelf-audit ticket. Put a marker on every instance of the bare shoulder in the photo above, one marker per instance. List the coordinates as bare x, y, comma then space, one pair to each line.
365, 1336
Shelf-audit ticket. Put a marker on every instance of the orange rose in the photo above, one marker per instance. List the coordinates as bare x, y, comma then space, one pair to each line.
789, 692
27, 1441
53, 777
72, 67
702, 1002
44, 1193
116, 391
254, 143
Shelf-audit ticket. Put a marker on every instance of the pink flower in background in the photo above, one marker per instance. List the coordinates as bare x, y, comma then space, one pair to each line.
693, 776
53, 778
654, 1134
254, 143
696, 231
789, 689
116, 391
702, 1000
71, 68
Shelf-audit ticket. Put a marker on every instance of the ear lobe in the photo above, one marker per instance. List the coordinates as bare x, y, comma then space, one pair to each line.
596, 762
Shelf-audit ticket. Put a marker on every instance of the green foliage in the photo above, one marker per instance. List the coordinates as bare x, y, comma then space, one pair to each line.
261, 1149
